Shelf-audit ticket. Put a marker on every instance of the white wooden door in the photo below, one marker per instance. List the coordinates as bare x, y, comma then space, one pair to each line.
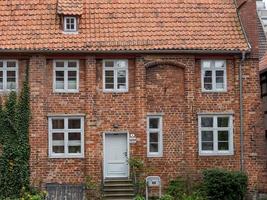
116, 155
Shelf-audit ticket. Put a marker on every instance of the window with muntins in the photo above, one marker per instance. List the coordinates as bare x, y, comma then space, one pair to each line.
66, 76
213, 76
66, 137
8, 75
154, 136
215, 135
70, 24
115, 75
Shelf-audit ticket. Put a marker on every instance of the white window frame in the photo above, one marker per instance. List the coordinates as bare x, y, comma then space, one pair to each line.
160, 136
5, 69
65, 131
75, 30
215, 130
213, 69
115, 70
66, 69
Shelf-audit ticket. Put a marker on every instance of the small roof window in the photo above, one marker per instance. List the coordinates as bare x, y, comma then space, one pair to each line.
70, 24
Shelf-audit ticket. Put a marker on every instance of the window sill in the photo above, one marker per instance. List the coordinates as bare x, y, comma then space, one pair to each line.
154, 155
214, 91
66, 91
216, 154
71, 32
66, 157
115, 91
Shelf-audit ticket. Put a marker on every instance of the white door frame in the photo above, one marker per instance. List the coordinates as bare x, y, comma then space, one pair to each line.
104, 148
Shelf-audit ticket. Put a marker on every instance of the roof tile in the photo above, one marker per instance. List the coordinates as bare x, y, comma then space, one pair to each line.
112, 25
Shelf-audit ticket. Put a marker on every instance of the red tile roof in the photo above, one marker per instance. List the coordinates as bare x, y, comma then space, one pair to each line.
70, 7
111, 25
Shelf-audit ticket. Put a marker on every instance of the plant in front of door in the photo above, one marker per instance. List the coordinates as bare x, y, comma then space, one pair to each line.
138, 170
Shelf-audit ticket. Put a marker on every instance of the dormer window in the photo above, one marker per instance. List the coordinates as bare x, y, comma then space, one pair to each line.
70, 24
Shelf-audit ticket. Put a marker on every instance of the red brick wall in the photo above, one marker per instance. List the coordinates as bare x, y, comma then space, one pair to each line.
172, 90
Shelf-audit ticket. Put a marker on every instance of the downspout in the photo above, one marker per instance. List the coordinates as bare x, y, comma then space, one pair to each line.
241, 111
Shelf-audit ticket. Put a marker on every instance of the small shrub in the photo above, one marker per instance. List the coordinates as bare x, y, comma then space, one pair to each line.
166, 197
221, 184
139, 197
177, 188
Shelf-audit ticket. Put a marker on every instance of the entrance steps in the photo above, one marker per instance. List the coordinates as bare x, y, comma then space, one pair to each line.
118, 189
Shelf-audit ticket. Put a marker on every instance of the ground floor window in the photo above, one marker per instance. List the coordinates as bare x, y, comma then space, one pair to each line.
154, 136
66, 137
215, 134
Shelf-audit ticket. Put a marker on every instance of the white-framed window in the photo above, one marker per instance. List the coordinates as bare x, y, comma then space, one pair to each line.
66, 137
8, 75
213, 75
66, 76
215, 135
154, 136
115, 75
70, 24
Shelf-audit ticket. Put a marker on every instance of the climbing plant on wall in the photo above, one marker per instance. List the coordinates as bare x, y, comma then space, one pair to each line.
14, 143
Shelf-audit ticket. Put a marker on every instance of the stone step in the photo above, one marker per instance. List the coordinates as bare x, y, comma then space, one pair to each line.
118, 189
127, 195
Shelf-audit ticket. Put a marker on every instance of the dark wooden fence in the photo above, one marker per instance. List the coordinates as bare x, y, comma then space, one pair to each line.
65, 192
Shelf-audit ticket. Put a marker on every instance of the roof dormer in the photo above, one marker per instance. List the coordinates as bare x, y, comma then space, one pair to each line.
70, 12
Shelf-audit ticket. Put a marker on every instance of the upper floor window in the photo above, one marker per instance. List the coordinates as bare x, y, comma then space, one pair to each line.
154, 136
115, 75
66, 137
8, 75
215, 135
66, 76
70, 24
213, 75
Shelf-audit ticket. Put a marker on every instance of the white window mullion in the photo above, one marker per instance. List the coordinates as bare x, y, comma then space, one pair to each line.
116, 79
5, 76
66, 124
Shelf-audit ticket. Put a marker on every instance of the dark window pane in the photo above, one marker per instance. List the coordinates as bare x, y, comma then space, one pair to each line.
58, 149
1, 64
208, 86
223, 121
264, 88
74, 136
219, 73
109, 80
109, 73
1, 80
59, 79
153, 147
74, 149
58, 136
72, 64
109, 86
206, 122
208, 73
72, 80
207, 136
11, 64
109, 64
154, 137
59, 64
223, 146
153, 123
74, 123
57, 123
207, 146
223, 136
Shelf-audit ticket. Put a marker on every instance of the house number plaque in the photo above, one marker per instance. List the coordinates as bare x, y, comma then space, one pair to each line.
132, 139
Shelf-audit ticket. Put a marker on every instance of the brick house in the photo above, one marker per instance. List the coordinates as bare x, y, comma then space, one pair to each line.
112, 80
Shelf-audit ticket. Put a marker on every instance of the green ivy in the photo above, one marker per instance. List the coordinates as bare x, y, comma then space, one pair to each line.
14, 143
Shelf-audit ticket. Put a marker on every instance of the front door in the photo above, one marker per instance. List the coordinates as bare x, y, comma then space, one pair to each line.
116, 155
